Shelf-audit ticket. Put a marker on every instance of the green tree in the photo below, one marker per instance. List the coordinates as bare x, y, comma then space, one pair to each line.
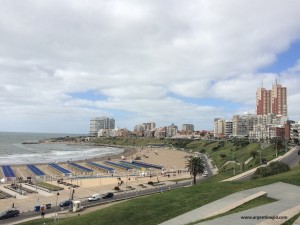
196, 166
254, 154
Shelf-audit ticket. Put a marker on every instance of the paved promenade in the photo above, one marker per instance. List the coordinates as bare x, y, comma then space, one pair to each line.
288, 197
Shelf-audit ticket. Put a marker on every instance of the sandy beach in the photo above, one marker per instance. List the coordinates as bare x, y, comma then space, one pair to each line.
173, 162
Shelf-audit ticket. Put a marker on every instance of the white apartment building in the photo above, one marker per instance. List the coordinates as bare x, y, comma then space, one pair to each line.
219, 127
228, 128
171, 131
260, 131
242, 124
99, 123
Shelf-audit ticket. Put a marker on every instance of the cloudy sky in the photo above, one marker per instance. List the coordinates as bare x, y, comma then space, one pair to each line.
63, 62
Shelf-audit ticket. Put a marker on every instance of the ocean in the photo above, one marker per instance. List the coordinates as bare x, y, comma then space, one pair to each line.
12, 151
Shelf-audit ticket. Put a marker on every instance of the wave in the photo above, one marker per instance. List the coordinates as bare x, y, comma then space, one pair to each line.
57, 156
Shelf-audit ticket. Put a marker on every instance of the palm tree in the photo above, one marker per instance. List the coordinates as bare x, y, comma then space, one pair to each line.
195, 166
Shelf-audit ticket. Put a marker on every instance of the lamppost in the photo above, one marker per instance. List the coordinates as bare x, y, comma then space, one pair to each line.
70, 197
260, 149
233, 159
55, 217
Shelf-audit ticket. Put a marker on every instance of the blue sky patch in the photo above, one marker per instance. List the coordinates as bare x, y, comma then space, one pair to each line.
284, 60
91, 95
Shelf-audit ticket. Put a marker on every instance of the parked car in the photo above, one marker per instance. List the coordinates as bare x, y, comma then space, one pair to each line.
107, 195
94, 197
65, 203
9, 213
264, 161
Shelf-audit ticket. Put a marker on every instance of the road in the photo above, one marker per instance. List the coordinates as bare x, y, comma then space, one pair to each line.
118, 197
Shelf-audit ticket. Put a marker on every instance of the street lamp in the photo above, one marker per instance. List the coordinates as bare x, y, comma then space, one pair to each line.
260, 149
71, 196
234, 168
55, 217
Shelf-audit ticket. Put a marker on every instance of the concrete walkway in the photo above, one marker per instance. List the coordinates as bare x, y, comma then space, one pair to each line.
288, 197
248, 160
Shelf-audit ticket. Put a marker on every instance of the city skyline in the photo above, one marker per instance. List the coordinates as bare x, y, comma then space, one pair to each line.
181, 63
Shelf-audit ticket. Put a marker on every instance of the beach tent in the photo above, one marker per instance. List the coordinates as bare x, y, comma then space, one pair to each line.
3, 180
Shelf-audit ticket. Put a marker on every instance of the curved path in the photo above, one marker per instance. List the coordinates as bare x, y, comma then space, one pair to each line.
291, 158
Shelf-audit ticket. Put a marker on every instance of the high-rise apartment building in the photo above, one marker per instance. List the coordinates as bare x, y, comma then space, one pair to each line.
187, 127
272, 101
99, 123
263, 101
279, 100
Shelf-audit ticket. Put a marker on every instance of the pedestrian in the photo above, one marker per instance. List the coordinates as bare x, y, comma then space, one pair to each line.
13, 205
43, 211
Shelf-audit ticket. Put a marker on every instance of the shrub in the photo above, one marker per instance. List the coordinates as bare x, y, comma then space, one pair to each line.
279, 167
150, 182
272, 169
253, 154
216, 148
203, 151
117, 188
223, 155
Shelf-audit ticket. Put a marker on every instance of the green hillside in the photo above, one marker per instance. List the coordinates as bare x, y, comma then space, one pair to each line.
236, 153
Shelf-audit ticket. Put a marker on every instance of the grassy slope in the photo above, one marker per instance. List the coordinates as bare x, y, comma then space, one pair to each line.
292, 220
161, 207
239, 154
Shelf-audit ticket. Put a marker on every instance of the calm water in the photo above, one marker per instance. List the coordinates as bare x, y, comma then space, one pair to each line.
12, 151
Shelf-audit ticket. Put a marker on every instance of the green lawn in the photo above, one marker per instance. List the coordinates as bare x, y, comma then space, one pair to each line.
49, 186
157, 208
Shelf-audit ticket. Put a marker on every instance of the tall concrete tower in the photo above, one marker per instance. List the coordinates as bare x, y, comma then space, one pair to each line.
279, 99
